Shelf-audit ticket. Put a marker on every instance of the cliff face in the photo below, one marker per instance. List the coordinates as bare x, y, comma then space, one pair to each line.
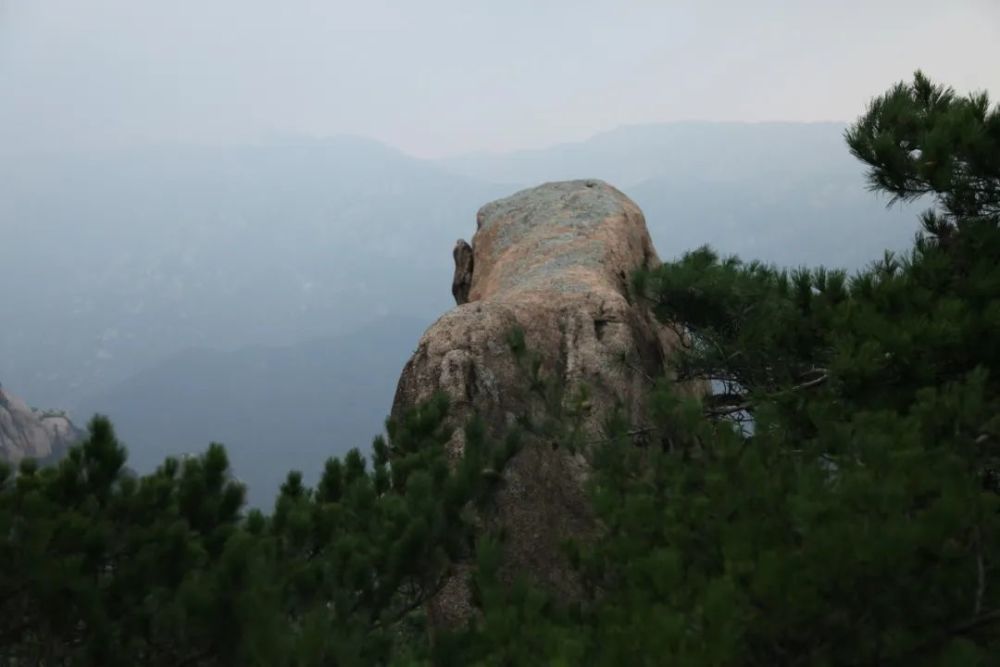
27, 433
553, 262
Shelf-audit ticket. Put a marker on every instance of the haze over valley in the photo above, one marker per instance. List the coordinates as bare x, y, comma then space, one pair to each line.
209, 210
230, 293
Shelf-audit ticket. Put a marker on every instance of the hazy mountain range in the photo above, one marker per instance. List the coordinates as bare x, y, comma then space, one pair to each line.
267, 296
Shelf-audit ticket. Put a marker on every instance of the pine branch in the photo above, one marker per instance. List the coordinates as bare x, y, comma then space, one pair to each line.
724, 410
964, 628
422, 597
632, 433
729, 403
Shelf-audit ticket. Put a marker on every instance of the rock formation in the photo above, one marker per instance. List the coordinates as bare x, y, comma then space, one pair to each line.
554, 263
29, 433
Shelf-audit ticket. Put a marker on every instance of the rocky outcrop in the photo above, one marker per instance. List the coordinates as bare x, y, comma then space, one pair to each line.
29, 433
554, 263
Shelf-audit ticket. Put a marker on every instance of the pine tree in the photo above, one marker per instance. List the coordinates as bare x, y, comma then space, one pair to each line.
834, 500
102, 567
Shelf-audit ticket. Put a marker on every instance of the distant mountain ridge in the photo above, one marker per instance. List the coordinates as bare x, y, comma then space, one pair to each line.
125, 258
632, 154
788, 193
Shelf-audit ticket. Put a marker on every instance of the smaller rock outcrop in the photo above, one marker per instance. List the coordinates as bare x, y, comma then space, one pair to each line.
462, 282
28, 433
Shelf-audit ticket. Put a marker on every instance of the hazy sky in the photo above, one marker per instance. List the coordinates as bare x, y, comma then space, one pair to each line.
439, 77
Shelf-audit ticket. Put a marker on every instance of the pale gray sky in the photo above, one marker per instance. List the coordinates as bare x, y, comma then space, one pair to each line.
439, 77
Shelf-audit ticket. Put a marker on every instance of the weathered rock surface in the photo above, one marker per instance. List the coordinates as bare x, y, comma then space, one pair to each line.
29, 433
554, 262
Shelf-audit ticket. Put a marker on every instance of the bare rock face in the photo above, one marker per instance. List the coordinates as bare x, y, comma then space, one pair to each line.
29, 433
553, 262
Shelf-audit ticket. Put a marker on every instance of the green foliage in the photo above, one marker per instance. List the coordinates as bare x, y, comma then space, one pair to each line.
922, 139
103, 568
550, 413
834, 499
